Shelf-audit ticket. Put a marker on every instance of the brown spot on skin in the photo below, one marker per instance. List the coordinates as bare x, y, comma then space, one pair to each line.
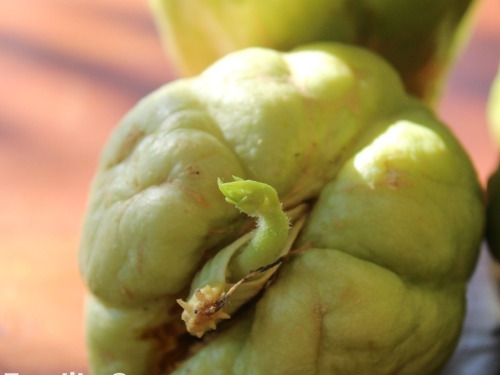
320, 309
140, 258
349, 295
216, 231
193, 171
337, 223
175, 345
127, 292
393, 177
197, 197
127, 145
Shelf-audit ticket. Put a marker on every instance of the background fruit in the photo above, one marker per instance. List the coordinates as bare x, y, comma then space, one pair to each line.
418, 37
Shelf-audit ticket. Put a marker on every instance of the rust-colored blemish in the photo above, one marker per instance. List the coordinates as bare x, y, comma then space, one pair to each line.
127, 292
140, 258
128, 144
193, 171
197, 197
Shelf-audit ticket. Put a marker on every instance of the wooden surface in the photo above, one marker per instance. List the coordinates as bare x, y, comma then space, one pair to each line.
69, 70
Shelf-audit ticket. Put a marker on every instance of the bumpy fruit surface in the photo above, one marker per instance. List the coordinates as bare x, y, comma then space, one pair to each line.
308, 215
418, 37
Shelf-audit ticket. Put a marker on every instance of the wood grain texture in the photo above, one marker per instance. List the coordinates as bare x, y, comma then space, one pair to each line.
69, 70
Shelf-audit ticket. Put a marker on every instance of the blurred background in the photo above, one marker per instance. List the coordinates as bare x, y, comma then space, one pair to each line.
69, 70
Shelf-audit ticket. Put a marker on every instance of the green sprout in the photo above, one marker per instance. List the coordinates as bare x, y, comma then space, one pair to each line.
256, 254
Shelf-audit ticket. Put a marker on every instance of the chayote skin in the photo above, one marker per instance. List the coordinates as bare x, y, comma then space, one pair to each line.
493, 188
418, 37
306, 188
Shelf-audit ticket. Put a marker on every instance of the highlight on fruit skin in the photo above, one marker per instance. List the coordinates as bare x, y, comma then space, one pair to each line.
371, 223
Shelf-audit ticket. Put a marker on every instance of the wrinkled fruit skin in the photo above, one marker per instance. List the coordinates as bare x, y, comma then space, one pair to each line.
418, 37
493, 187
377, 282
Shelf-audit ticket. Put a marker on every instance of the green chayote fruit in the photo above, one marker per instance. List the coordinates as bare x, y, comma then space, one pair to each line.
281, 213
418, 37
493, 188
